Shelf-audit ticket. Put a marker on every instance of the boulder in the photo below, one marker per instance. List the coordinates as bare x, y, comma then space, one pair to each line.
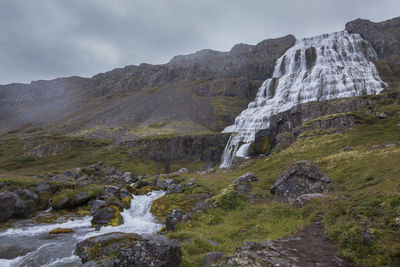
120, 249
97, 205
11, 205
62, 203
43, 187
110, 192
246, 178
212, 257
107, 216
301, 178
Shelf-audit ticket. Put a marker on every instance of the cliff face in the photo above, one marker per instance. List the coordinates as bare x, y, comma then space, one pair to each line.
384, 36
201, 92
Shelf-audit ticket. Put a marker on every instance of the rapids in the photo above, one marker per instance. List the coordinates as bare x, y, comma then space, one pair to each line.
30, 244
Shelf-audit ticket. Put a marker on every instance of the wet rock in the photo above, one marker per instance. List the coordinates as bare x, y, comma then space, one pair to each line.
246, 178
301, 178
11, 205
120, 249
61, 231
107, 216
212, 257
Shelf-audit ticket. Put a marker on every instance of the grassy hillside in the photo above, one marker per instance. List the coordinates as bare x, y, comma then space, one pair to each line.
364, 196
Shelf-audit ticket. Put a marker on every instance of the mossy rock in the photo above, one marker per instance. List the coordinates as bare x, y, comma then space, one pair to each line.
126, 201
107, 216
166, 204
69, 199
162, 230
61, 231
141, 191
104, 246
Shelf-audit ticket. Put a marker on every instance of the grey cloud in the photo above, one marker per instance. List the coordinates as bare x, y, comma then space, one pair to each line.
44, 39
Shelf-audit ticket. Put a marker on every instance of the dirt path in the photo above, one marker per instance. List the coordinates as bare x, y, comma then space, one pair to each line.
308, 248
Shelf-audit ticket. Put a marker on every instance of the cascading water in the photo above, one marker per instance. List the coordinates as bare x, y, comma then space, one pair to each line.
319, 68
37, 248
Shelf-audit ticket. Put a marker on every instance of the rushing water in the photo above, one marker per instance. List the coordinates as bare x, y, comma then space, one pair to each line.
38, 248
319, 68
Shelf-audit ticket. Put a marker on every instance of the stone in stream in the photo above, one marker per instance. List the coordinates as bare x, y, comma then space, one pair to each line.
61, 231
120, 249
11, 205
303, 177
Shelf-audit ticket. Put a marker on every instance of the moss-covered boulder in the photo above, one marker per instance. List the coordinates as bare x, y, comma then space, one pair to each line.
70, 199
120, 249
107, 216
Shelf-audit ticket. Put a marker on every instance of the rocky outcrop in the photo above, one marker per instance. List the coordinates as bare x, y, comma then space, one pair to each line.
206, 148
303, 177
119, 249
331, 115
383, 36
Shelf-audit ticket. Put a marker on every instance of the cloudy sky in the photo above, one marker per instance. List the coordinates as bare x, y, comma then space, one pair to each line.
44, 39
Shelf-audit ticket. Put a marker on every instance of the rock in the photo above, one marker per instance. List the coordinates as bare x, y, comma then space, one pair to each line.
383, 36
246, 178
192, 180
376, 146
183, 170
174, 188
347, 148
107, 216
120, 249
43, 187
303, 177
11, 205
173, 218
81, 197
389, 144
212, 257
97, 205
303, 199
151, 250
61, 231
110, 192
95, 167
381, 115
62, 203
69, 173
212, 242
368, 236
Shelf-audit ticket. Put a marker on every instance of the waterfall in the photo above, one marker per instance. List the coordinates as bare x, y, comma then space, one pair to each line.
318, 68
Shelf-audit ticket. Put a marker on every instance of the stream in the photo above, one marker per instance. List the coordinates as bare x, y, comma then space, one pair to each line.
38, 248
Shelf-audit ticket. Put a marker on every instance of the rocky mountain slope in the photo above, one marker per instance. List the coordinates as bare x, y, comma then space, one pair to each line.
201, 92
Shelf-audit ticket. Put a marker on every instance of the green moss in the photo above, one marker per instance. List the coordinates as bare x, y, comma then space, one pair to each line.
167, 203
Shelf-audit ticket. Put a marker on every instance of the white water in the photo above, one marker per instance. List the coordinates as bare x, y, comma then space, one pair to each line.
57, 250
343, 68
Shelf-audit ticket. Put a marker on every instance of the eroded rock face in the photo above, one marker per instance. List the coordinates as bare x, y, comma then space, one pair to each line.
120, 249
303, 177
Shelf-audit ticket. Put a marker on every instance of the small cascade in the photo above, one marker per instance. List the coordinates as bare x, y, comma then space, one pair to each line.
314, 69
44, 250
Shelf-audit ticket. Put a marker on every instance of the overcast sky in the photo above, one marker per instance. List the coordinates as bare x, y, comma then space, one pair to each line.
45, 39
